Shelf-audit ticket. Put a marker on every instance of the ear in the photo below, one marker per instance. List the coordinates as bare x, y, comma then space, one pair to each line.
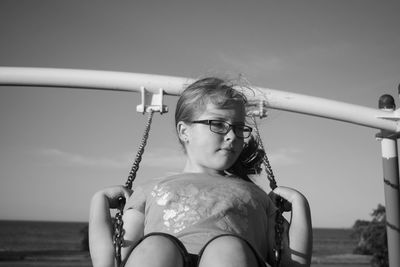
183, 131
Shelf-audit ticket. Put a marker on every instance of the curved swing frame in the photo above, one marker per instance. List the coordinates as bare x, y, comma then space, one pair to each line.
386, 118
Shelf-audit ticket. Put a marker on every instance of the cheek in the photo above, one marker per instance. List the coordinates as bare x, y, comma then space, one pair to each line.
209, 143
202, 141
239, 145
203, 136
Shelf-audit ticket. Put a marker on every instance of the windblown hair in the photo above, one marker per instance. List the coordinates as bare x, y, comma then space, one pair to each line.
193, 102
250, 160
196, 96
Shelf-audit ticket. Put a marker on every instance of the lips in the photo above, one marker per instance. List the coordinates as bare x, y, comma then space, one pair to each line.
228, 149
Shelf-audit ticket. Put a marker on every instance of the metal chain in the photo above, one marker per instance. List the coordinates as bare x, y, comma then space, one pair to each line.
279, 219
118, 222
119, 232
267, 165
138, 158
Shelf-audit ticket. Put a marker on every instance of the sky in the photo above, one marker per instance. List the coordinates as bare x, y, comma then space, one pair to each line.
59, 146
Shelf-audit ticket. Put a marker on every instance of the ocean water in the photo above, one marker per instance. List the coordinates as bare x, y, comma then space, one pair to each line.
332, 241
40, 236
27, 244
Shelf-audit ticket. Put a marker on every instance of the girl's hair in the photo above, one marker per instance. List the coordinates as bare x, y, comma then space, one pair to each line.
196, 96
192, 103
250, 160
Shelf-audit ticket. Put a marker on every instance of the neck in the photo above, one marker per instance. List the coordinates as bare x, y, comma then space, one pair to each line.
189, 167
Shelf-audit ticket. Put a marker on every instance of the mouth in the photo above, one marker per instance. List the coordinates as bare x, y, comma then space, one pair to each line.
227, 149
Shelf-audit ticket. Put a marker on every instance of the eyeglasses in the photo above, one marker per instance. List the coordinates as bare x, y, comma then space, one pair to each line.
223, 127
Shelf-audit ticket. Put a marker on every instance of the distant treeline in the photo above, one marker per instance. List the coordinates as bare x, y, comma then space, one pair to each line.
373, 238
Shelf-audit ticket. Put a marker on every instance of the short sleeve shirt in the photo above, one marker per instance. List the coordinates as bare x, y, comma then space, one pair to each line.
195, 207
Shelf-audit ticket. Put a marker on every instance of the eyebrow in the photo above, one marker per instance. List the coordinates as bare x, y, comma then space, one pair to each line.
210, 115
223, 119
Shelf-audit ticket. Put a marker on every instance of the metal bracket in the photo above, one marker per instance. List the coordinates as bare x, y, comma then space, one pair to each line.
387, 135
391, 115
151, 101
257, 108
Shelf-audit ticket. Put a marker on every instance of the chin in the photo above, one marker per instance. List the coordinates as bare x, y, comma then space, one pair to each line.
222, 164
223, 167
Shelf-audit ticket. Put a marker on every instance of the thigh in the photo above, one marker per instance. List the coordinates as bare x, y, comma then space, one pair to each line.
235, 246
160, 248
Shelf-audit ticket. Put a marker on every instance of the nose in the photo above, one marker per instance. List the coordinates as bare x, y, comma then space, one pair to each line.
230, 134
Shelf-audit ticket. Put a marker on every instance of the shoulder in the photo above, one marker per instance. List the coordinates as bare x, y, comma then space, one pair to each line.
146, 187
150, 183
259, 193
140, 193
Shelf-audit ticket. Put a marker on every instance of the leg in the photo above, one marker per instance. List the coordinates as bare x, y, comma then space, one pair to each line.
156, 251
229, 250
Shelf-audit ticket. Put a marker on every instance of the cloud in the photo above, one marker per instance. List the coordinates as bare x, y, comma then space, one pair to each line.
163, 158
160, 158
285, 157
68, 158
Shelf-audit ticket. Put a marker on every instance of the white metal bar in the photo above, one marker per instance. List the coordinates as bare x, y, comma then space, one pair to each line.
390, 163
91, 79
392, 197
331, 109
132, 82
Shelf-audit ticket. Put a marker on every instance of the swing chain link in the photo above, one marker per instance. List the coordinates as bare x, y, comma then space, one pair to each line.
138, 158
118, 222
279, 219
119, 232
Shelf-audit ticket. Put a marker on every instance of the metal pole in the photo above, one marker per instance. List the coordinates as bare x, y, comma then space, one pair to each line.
391, 186
133, 82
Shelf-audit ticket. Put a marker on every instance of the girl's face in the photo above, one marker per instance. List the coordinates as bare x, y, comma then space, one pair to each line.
208, 151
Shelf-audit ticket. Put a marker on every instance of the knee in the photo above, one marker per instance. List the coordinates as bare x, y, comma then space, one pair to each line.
227, 243
155, 244
228, 250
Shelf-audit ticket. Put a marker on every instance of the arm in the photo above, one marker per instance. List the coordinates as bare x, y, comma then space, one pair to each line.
134, 231
298, 233
100, 225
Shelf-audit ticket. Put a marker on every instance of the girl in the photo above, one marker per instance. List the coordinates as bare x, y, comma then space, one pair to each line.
211, 214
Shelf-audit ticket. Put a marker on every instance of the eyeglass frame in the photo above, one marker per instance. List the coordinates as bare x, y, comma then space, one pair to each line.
231, 127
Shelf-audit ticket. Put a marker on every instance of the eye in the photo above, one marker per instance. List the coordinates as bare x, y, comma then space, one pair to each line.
219, 124
243, 131
246, 129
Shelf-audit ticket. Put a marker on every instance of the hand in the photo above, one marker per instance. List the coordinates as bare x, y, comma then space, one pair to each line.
113, 194
288, 195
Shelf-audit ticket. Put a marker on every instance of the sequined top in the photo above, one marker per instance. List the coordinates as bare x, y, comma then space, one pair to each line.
195, 207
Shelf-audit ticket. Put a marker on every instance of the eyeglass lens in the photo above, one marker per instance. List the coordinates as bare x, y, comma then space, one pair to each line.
224, 127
